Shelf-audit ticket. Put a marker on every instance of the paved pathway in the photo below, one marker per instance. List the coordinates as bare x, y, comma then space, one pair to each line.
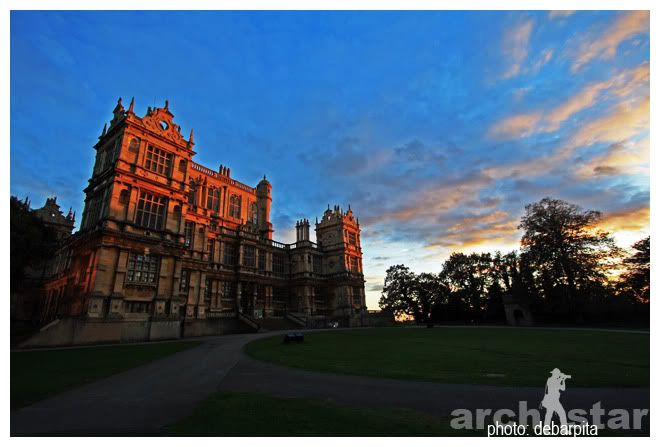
146, 399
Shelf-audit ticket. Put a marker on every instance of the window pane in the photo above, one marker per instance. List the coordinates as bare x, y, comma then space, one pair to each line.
142, 268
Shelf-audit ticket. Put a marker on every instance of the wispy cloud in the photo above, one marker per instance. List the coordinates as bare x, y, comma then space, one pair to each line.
622, 123
516, 126
605, 44
560, 14
515, 47
626, 121
469, 232
627, 84
544, 58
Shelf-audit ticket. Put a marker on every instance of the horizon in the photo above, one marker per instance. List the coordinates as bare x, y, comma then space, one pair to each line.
436, 147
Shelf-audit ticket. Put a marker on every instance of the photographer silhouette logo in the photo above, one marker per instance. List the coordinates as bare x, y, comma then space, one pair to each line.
555, 384
529, 421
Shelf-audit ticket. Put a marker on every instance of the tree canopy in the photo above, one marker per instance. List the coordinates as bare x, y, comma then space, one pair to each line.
565, 264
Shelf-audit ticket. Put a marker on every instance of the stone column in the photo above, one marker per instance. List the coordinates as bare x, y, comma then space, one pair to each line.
268, 300
201, 290
238, 297
254, 299
216, 251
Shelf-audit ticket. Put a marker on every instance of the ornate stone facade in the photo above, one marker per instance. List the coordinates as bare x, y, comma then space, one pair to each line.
164, 238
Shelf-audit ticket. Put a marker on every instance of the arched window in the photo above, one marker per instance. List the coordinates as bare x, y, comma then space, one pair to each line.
235, 206
134, 145
213, 199
123, 196
253, 213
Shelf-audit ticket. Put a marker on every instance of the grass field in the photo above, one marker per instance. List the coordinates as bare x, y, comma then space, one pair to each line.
496, 356
36, 375
248, 414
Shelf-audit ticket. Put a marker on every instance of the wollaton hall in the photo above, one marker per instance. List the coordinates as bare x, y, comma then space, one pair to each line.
166, 240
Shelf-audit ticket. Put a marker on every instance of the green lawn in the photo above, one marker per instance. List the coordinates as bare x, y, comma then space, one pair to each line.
248, 414
36, 375
497, 356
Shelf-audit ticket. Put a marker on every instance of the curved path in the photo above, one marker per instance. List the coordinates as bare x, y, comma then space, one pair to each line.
145, 400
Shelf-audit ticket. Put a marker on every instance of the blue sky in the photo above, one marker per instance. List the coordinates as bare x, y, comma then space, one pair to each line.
437, 127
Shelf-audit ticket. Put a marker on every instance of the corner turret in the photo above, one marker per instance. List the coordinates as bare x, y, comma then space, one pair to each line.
264, 201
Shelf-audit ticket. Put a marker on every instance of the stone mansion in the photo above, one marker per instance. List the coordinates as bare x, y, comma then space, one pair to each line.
164, 239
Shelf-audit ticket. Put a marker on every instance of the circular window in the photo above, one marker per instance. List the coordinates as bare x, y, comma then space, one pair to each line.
164, 125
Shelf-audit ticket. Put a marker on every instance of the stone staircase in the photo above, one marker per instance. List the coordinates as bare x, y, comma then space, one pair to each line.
249, 322
300, 320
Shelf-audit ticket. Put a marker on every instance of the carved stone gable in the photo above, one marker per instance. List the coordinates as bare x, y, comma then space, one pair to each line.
159, 120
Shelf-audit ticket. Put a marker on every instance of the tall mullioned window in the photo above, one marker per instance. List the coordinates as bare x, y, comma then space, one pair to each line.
207, 290
253, 213
210, 247
213, 199
192, 195
352, 238
158, 161
279, 264
229, 255
354, 264
93, 211
189, 234
184, 284
235, 206
227, 295
151, 210
142, 269
248, 256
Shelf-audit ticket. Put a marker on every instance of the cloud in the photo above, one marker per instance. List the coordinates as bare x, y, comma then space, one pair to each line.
626, 83
347, 158
519, 93
623, 122
631, 219
416, 152
559, 14
637, 79
436, 199
470, 232
620, 158
626, 121
544, 58
604, 45
375, 287
516, 126
516, 47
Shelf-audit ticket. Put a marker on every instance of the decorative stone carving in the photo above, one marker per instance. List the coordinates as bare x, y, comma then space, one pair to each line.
159, 120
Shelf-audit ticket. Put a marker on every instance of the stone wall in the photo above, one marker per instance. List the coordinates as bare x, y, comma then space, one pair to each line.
214, 326
76, 331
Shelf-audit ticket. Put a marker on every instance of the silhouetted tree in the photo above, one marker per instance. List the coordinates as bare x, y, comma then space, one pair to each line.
561, 273
469, 278
398, 292
430, 291
566, 251
415, 295
636, 281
